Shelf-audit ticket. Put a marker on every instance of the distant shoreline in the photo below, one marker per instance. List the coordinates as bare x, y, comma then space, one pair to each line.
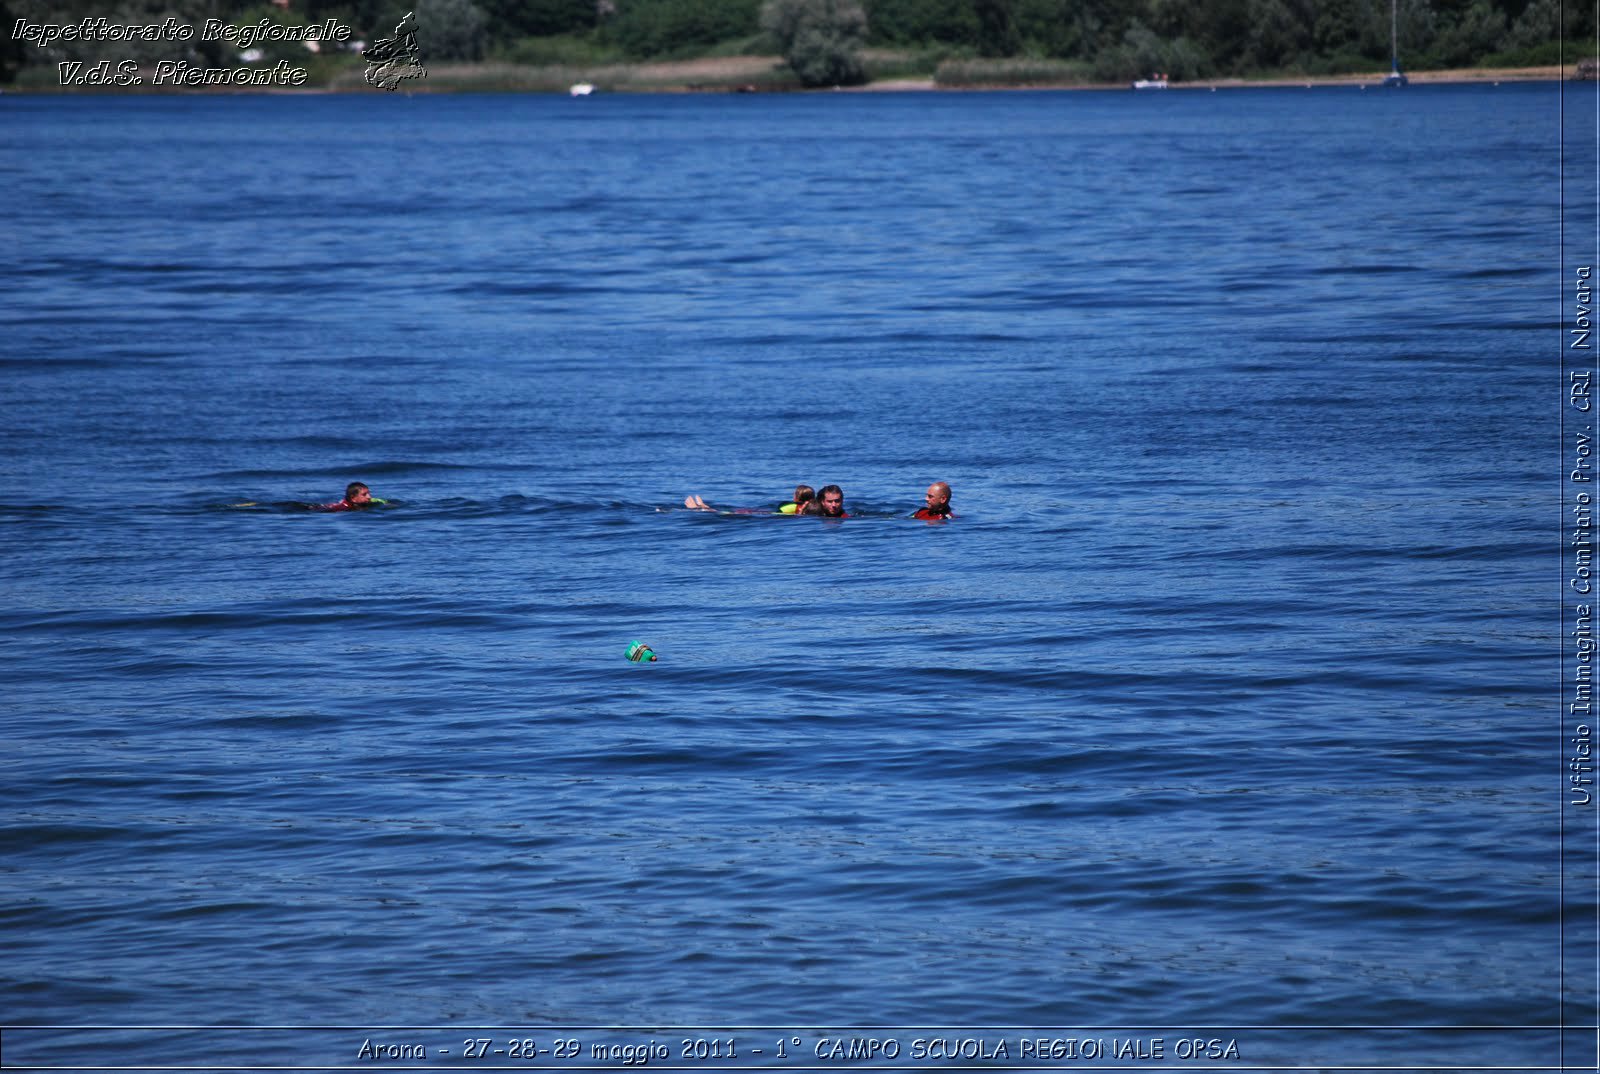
761, 74
1493, 75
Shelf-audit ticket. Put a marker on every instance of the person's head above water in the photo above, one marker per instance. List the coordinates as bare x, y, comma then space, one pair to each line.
803, 497
832, 499
938, 504
356, 495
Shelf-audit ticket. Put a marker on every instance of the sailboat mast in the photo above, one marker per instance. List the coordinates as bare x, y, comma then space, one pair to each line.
1395, 77
1394, 34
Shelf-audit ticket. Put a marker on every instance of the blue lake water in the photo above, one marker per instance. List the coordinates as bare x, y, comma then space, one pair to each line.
1227, 700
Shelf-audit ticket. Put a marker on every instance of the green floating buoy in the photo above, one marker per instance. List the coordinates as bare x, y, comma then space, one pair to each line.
640, 653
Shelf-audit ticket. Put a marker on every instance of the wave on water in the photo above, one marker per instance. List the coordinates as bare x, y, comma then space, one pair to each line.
26, 511
385, 467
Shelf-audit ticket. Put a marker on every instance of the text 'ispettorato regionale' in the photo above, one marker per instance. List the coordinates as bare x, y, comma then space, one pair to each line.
177, 72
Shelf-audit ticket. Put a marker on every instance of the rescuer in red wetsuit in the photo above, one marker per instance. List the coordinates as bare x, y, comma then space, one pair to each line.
829, 503
938, 508
356, 496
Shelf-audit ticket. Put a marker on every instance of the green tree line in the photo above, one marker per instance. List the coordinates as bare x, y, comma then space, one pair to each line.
1113, 39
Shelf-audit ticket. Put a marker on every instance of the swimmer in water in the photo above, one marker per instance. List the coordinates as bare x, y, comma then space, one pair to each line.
829, 503
356, 497
802, 494
938, 504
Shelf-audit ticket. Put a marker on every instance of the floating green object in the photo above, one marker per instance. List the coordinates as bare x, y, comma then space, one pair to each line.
640, 653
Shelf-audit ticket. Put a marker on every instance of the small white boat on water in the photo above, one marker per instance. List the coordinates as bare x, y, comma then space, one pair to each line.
1159, 82
581, 89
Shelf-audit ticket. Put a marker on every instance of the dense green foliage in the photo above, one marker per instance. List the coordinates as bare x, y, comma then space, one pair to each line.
1194, 38
1110, 39
820, 39
677, 27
